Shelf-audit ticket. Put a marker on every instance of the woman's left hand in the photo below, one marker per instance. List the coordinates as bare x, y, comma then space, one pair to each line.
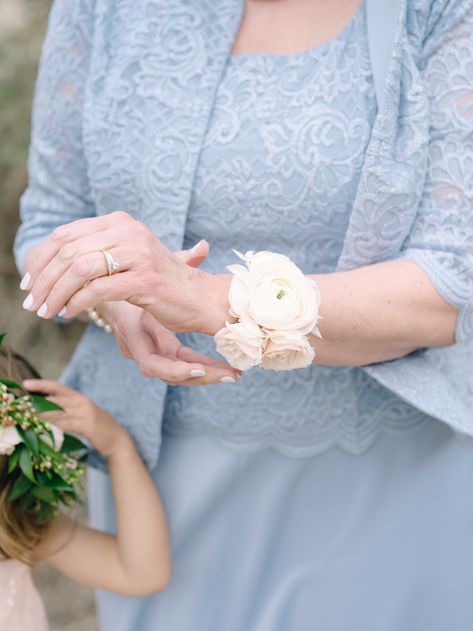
158, 352
68, 273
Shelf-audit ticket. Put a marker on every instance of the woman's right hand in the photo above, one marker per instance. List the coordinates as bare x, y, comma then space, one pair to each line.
158, 352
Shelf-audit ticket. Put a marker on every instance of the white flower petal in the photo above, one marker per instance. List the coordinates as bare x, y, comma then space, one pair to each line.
241, 344
9, 438
287, 354
58, 436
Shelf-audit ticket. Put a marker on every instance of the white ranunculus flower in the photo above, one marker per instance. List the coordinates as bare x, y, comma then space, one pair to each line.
58, 436
272, 291
240, 343
286, 350
9, 439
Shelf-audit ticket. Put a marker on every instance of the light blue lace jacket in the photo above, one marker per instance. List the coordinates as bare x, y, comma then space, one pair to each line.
122, 104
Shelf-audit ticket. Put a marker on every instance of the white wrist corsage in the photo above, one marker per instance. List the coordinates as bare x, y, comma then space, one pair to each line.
277, 309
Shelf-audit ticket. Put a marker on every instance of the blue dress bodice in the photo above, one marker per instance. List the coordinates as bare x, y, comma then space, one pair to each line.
125, 116
278, 171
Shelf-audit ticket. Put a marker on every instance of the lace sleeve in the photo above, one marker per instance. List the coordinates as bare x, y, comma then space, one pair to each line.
441, 238
58, 187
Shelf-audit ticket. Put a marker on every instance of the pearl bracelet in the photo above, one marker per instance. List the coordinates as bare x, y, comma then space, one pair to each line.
276, 309
95, 317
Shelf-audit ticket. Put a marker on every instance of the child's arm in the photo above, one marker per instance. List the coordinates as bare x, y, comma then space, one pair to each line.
137, 560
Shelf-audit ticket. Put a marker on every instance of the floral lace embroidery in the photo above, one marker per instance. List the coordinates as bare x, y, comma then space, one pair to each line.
278, 170
122, 104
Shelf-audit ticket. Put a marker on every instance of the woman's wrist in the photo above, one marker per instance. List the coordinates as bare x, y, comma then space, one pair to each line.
212, 301
211, 304
111, 311
276, 311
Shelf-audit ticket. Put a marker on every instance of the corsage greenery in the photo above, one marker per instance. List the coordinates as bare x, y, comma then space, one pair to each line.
45, 463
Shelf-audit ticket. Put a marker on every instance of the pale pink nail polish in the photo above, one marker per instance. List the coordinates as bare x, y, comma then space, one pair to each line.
25, 281
198, 373
43, 310
197, 245
28, 302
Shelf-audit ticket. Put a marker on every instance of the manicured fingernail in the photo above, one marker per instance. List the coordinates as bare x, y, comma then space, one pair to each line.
28, 302
227, 380
25, 281
198, 373
196, 246
43, 310
62, 312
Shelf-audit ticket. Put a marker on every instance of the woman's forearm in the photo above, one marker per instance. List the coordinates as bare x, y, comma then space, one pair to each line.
371, 314
380, 312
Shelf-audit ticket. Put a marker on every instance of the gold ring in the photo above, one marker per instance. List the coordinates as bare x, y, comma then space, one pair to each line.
112, 265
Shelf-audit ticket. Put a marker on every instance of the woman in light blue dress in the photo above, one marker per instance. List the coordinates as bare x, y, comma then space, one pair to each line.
337, 497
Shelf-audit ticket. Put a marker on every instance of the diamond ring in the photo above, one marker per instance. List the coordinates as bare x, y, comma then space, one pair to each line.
112, 265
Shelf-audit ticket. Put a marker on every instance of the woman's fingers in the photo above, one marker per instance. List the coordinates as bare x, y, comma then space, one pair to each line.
43, 254
190, 355
171, 371
82, 271
176, 372
75, 257
196, 255
138, 344
105, 288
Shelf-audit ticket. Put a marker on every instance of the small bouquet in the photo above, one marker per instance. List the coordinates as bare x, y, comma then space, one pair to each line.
45, 462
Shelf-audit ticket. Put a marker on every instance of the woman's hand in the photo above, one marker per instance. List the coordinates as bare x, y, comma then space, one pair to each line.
158, 352
68, 274
81, 416
155, 349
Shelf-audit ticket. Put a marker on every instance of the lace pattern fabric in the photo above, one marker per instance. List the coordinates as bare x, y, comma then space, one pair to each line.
278, 169
122, 108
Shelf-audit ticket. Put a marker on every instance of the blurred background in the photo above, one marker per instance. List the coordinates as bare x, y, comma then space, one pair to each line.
46, 344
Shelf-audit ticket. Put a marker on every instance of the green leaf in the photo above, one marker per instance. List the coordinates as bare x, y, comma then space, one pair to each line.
47, 512
26, 466
46, 449
30, 439
2, 337
13, 459
55, 482
44, 493
29, 501
12, 384
44, 405
21, 486
72, 443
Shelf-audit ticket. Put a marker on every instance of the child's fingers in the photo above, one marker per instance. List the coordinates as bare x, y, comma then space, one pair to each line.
46, 386
72, 425
65, 423
54, 418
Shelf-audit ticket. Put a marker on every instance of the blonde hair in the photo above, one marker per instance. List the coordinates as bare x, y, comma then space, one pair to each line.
20, 530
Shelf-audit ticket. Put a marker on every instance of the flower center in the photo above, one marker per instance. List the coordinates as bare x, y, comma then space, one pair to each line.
280, 295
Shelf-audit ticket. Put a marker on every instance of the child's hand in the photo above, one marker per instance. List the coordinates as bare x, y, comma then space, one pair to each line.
81, 416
